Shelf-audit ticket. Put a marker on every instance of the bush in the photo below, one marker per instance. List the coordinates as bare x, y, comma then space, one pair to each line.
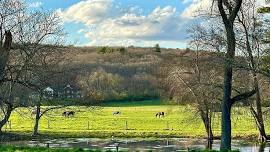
103, 50
122, 50
157, 48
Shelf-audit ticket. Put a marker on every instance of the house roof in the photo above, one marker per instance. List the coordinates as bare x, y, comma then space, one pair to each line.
48, 89
68, 86
64, 87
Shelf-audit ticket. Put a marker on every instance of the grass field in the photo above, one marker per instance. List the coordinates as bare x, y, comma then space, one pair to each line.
137, 119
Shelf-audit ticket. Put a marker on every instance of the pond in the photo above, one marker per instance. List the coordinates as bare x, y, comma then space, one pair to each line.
171, 144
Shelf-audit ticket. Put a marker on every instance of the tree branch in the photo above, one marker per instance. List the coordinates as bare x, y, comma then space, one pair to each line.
242, 96
222, 12
52, 108
235, 10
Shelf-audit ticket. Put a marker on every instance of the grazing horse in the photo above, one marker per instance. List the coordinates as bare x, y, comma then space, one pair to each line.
64, 113
71, 113
116, 113
68, 113
34, 112
159, 114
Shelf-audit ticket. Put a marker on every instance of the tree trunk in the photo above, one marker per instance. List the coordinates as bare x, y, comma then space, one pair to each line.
35, 129
4, 53
257, 115
226, 123
260, 125
6, 117
208, 127
228, 21
227, 92
210, 136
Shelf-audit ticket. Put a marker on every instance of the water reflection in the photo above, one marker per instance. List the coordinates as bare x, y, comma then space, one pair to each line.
262, 147
167, 145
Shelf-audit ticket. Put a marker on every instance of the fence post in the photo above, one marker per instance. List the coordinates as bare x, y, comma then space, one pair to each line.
88, 125
126, 125
6, 127
48, 124
117, 147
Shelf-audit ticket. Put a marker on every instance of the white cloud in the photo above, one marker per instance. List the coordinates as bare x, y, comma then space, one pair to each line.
35, 4
196, 7
261, 3
186, 1
128, 26
161, 24
87, 12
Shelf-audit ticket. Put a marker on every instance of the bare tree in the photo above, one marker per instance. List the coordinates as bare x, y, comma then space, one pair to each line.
7, 105
4, 53
34, 38
201, 79
39, 82
204, 92
8, 9
250, 37
228, 11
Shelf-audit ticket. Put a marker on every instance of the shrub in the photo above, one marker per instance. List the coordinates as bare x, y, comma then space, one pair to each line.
157, 48
103, 50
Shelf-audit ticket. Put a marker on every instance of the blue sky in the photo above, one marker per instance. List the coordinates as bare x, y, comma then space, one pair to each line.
123, 22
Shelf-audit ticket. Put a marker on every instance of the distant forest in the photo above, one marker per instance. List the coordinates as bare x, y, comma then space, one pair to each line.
132, 74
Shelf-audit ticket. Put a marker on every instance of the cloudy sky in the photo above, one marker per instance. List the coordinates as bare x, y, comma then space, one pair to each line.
125, 22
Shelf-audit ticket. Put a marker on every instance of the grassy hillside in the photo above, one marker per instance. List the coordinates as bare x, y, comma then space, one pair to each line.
137, 119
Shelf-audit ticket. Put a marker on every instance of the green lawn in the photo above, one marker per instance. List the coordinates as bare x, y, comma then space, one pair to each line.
137, 119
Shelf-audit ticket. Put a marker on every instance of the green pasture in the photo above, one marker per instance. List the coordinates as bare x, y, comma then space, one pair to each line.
137, 119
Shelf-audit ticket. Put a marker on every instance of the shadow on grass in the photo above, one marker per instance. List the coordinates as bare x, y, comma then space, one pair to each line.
156, 102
